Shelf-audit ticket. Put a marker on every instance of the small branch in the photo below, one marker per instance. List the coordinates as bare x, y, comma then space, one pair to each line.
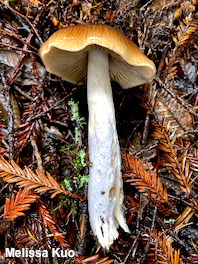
150, 234
24, 17
24, 93
31, 119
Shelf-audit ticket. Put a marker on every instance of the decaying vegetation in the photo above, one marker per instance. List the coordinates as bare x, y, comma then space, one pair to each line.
44, 130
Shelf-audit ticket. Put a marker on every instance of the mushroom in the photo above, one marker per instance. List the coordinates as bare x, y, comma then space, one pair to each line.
96, 54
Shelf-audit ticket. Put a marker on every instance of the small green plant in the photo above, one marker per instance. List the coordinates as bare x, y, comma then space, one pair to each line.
79, 161
78, 180
74, 181
67, 185
80, 121
65, 201
68, 261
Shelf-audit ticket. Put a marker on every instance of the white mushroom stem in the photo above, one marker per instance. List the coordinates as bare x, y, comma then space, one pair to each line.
105, 189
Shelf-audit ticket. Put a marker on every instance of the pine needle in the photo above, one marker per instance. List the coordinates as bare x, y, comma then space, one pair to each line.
15, 206
39, 182
143, 179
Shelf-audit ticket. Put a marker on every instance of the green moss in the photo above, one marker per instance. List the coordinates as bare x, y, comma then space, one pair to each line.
67, 185
66, 201
80, 121
79, 161
75, 180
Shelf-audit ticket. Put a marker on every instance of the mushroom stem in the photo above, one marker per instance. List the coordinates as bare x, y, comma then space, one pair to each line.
105, 190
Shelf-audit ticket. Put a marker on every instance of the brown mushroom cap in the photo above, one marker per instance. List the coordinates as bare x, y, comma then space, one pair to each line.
65, 54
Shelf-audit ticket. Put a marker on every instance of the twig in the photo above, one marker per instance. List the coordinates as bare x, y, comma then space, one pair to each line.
24, 93
189, 93
150, 234
59, 123
24, 17
8, 46
194, 131
19, 38
145, 132
144, 6
22, 55
135, 241
31, 119
145, 150
133, 131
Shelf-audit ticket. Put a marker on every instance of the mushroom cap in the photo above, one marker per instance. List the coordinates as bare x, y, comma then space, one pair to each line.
65, 54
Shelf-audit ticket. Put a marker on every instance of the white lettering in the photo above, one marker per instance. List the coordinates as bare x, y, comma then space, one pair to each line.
10, 252
38, 253
55, 252
71, 254
17, 253
31, 253
45, 253
25, 252
63, 253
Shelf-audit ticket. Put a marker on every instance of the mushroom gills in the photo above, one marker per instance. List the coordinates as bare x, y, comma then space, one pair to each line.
105, 188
